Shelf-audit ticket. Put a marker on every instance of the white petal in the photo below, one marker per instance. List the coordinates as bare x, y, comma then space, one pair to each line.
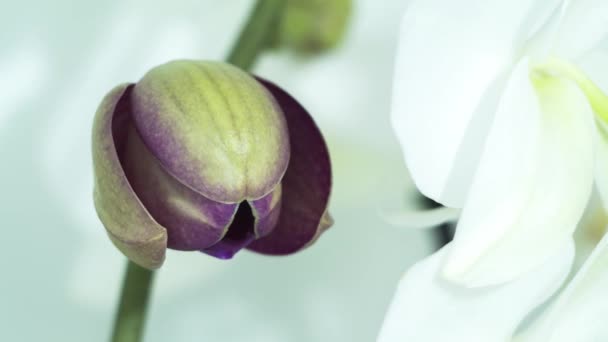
594, 65
427, 309
584, 25
601, 165
532, 186
579, 313
591, 228
450, 69
420, 219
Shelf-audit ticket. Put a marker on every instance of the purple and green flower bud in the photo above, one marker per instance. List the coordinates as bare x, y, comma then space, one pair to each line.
314, 26
201, 156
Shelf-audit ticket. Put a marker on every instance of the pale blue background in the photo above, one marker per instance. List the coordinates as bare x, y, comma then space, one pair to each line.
60, 275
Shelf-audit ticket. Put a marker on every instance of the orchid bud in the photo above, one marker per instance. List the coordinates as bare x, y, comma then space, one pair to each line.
201, 156
314, 26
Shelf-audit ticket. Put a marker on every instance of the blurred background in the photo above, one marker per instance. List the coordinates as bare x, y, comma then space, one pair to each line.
60, 274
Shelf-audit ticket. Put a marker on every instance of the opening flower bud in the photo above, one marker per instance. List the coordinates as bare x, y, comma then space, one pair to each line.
201, 156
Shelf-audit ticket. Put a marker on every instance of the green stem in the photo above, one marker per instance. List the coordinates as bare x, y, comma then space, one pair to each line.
129, 324
254, 37
256, 33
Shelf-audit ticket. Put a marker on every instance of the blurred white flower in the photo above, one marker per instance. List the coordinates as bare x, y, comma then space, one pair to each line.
498, 113
428, 308
495, 117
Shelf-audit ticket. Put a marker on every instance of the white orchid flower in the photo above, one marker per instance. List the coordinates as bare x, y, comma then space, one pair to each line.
499, 109
428, 308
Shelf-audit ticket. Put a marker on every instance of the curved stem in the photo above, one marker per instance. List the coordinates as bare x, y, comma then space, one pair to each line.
131, 316
256, 33
254, 38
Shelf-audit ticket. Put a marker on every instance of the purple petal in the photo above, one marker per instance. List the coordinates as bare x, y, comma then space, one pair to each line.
193, 222
253, 219
129, 225
239, 235
306, 184
266, 211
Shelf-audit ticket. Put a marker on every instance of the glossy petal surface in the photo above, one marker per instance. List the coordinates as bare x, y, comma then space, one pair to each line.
306, 185
450, 71
214, 128
533, 183
426, 308
128, 223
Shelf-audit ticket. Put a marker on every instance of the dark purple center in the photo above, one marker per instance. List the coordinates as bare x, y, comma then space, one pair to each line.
239, 235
